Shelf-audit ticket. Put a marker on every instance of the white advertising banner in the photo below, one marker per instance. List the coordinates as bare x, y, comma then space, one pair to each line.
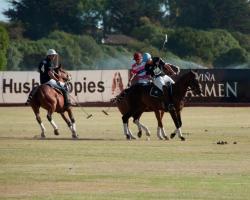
86, 85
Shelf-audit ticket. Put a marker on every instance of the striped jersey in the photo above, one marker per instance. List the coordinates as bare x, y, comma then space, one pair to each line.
139, 71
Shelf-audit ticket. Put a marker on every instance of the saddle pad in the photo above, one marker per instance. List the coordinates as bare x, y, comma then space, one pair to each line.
56, 89
155, 92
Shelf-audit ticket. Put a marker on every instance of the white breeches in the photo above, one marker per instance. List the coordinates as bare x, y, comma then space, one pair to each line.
54, 83
162, 80
143, 81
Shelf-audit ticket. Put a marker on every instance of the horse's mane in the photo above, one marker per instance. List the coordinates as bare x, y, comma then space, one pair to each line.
181, 78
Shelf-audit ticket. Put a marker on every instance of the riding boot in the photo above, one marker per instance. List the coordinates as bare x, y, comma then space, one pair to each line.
168, 98
66, 98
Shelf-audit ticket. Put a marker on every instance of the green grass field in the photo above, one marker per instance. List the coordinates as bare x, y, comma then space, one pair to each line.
103, 165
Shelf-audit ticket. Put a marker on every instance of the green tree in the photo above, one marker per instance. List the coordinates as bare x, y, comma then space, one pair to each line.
206, 14
39, 18
4, 43
208, 45
123, 16
232, 57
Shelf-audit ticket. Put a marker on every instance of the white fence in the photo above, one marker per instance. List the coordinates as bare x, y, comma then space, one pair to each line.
87, 86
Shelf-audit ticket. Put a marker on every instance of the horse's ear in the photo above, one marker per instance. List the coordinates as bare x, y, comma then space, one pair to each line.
194, 71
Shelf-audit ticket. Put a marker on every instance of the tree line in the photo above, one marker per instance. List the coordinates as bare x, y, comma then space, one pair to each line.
215, 33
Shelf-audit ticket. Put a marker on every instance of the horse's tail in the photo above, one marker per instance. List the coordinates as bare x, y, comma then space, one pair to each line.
120, 97
114, 100
30, 97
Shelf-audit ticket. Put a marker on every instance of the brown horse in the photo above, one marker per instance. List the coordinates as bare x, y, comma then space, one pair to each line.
139, 99
52, 100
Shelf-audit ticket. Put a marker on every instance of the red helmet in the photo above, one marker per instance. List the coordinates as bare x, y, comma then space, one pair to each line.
137, 56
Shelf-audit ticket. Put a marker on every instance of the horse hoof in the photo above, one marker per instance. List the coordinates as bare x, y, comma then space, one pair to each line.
42, 136
172, 135
56, 132
139, 134
128, 137
148, 134
74, 136
166, 138
182, 138
133, 137
148, 138
160, 137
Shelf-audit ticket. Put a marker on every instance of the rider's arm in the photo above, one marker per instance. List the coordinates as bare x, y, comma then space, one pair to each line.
51, 74
132, 77
169, 69
176, 68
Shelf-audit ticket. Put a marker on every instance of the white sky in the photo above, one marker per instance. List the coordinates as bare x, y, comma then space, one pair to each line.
4, 5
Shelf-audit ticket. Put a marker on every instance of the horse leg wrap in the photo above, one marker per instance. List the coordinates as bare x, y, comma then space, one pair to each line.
53, 124
164, 134
125, 130
159, 135
141, 126
42, 128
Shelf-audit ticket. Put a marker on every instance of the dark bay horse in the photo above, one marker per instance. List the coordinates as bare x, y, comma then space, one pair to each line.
52, 100
121, 102
139, 99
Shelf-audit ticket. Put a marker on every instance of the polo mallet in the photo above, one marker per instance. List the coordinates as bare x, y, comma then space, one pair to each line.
165, 41
106, 111
83, 110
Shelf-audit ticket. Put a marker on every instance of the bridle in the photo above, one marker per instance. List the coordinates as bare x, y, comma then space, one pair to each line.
194, 86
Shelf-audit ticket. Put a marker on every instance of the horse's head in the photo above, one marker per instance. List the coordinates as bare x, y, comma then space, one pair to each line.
194, 82
63, 75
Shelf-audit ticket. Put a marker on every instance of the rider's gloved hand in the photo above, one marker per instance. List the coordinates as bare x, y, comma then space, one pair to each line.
178, 70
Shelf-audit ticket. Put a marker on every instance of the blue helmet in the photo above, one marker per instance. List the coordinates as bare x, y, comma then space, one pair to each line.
146, 57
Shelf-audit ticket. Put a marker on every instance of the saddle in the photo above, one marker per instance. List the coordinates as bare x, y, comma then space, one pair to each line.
155, 92
56, 89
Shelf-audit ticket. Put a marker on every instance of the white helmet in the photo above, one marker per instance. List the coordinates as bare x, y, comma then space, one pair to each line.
51, 52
